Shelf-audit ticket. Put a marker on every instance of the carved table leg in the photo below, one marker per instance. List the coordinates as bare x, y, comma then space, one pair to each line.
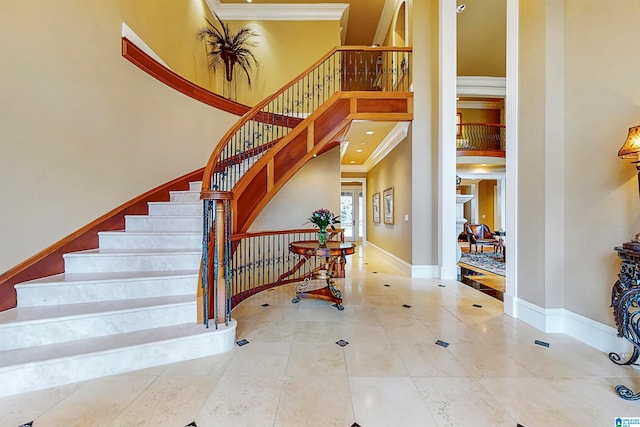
336, 293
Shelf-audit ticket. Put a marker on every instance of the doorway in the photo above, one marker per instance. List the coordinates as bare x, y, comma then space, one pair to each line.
352, 212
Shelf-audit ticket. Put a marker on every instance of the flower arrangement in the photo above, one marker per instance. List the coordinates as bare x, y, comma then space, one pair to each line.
323, 218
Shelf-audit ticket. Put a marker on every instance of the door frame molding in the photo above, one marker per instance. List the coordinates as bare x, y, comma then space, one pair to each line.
363, 182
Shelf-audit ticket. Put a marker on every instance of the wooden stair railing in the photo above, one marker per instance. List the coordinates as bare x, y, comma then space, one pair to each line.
306, 117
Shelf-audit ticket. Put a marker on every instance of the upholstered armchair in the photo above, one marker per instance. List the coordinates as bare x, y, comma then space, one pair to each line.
479, 234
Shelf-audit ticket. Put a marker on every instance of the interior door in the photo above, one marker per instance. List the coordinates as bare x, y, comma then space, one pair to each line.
351, 213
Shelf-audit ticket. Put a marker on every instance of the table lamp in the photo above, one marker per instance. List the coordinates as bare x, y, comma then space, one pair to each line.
631, 150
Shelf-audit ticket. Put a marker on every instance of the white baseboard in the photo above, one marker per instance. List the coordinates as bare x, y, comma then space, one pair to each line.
559, 320
417, 271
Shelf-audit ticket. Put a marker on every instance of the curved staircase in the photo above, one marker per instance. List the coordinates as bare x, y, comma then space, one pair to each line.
131, 304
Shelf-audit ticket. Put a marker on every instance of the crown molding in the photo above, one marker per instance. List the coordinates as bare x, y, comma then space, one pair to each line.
386, 17
280, 12
482, 105
353, 168
395, 137
490, 87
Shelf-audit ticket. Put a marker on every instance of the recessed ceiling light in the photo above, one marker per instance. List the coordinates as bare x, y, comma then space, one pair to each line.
358, 151
369, 132
352, 161
362, 143
249, 1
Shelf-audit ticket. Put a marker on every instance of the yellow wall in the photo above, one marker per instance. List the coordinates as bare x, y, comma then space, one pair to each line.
285, 49
393, 171
481, 31
474, 115
169, 28
486, 201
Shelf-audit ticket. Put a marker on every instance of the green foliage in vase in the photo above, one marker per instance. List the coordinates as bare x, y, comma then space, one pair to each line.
323, 218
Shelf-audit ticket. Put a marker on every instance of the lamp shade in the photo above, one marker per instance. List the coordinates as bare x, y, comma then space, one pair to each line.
631, 147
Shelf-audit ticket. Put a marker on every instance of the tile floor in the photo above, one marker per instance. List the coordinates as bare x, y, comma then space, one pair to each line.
292, 372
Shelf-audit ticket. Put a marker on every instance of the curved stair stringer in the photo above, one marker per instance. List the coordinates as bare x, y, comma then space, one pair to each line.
313, 136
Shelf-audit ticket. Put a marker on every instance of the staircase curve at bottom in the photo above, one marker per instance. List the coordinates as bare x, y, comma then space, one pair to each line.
128, 305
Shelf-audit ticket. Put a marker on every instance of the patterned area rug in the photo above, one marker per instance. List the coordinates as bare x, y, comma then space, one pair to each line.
489, 261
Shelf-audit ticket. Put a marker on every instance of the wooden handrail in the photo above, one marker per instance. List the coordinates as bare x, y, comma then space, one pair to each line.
138, 57
49, 261
240, 236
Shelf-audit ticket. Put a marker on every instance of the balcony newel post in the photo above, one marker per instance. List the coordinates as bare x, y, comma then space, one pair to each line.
214, 304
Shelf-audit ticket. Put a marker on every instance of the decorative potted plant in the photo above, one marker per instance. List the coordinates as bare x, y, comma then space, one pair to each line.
323, 218
228, 48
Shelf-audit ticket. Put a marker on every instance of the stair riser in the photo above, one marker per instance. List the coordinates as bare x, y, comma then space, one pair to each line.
36, 376
175, 209
195, 186
184, 196
105, 263
153, 223
29, 334
124, 240
83, 292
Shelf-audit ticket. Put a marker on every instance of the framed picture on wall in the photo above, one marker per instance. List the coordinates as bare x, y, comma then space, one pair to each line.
387, 200
375, 208
458, 125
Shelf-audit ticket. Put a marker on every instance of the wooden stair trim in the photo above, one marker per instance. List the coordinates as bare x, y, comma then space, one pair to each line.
256, 110
49, 261
138, 57
262, 194
466, 152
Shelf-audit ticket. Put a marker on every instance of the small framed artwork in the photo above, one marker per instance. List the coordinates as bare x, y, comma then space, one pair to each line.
375, 207
458, 125
387, 197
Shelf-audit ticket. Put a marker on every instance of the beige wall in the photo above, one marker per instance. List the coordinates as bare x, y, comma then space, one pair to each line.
423, 132
577, 69
83, 130
393, 171
315, 186
531, 180
602, 102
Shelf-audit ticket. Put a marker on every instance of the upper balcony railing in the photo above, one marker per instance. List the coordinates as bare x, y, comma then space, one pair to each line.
342, 69
473, 138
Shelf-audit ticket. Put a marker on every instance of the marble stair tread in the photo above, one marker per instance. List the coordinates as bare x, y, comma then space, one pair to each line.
151, 233
116, 342
184, 196
71, 278
150, 240
125, 252
177, 203
44, 314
